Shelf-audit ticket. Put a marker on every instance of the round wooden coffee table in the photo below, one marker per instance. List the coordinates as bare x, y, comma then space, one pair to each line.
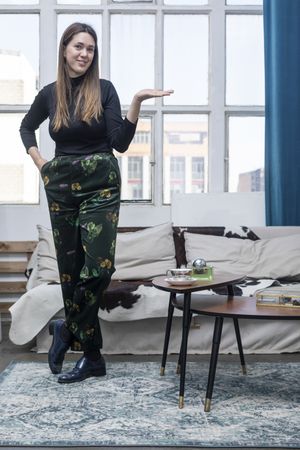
220, 307
219, 280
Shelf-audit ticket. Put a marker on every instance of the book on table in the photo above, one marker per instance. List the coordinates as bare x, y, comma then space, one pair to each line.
285, 296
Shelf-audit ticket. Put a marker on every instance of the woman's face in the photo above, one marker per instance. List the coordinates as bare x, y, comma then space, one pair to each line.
79, 54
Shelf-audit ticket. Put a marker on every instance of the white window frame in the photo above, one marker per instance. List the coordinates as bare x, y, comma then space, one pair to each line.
218, 112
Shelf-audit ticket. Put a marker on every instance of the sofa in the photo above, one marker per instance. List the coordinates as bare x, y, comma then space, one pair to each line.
133, 312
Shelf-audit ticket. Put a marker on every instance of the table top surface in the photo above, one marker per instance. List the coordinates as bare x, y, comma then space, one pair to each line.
238, 307
219, 279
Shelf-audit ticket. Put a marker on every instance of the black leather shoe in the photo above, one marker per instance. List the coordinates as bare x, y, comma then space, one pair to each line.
58, 347
84, 368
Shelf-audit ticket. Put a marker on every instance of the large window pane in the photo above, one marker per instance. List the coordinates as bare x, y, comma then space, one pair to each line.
244, 2
19, 2
185, 2
78, 2
135, 164
132, 1
244, 60
132, 54
186, 59
19, 58
19, 178
246, 154
185, 154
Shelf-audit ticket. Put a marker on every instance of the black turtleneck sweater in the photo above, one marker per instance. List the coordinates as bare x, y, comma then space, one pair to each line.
110, 132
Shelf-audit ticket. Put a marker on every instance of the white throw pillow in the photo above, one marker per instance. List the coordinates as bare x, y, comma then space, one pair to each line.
32, 312
46, 257
145, 254
32, 270
266, 258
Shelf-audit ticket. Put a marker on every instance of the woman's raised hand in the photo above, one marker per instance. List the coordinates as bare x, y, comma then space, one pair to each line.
145, 94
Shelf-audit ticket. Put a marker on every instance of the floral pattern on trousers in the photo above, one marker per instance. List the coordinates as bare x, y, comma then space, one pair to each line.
83, 194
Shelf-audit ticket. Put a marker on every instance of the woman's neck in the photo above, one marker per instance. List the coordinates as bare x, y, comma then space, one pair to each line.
76, 81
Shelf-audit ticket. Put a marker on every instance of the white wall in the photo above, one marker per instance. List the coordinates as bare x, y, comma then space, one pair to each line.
19, 222
213, 209
219, 209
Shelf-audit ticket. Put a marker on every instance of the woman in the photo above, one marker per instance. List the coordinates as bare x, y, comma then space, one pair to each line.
82, 184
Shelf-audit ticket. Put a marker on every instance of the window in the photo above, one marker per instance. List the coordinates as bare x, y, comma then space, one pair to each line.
244, 60
207, 136
185, 154
135, 177
198, 174
19, 79
246, 156
186, 58
141, 137
245, 99
132, 65
135, 164
19, 2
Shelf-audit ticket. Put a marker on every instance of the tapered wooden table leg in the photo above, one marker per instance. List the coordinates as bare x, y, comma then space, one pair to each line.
184, 341
230, 291
167, 333
240, 346
213, 362
180, 353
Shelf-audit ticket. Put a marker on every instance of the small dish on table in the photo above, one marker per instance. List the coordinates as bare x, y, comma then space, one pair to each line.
181, 281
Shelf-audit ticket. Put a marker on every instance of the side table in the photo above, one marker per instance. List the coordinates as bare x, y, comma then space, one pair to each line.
220, 279
220, 307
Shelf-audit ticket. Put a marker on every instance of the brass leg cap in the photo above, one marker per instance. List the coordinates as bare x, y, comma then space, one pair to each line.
178, 369
162, 371
207, 405
244, 370
181, 402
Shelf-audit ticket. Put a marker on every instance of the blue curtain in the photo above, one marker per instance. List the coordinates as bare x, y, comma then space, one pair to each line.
282, 78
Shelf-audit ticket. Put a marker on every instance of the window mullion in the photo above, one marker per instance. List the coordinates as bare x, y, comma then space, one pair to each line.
157, 142
217, 137
105, 45
48, 49
48, 63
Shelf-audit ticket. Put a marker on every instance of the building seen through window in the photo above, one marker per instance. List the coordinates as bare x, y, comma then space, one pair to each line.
252, 181
135, 176
142, 137
177, 174
185, 154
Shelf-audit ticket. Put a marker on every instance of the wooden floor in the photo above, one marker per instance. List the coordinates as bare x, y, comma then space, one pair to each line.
10, 352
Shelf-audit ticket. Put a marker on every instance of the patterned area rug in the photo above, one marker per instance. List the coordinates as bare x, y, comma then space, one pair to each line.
134, 406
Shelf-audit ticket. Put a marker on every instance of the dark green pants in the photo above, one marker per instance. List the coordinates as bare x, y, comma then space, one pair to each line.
83, 194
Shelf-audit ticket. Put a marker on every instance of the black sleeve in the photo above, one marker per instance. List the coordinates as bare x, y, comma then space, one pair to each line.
120, 132
37, 113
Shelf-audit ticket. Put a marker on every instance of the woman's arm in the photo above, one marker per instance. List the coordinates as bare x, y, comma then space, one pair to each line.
37, 158
145, 94
37, 113
121, 132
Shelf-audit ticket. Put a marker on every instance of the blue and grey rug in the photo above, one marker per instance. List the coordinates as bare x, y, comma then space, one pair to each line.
134, 406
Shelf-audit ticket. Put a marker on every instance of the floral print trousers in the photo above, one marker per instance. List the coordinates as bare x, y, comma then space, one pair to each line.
83, 194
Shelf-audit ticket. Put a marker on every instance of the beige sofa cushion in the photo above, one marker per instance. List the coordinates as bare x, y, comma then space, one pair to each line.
266, 258
46, 257
270, 232
43, 263
145, 254
140, 254
32, 270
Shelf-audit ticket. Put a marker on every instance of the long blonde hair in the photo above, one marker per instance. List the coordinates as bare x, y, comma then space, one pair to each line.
88, 98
